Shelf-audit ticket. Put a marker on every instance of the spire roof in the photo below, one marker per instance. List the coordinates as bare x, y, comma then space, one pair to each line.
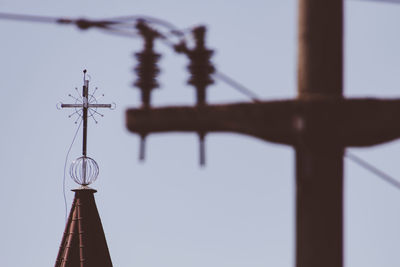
83, 243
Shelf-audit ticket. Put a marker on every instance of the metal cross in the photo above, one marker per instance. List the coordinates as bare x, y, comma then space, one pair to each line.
86, 106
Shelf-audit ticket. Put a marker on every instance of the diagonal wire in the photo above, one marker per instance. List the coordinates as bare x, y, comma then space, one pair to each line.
224, 78
115, 31
65, 168
379, 1
238, 86
219, 75
31, 18
368, 166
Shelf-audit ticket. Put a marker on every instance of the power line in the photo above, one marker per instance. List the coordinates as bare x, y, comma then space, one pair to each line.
113, 26
238, 86
379, 1
368, 166
29, 18
105, 26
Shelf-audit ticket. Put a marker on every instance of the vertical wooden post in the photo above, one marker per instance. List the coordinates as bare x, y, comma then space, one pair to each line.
319, 197
319, 164
320, 55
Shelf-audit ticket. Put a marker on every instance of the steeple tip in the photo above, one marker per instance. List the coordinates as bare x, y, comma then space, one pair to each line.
84, 188
83, 243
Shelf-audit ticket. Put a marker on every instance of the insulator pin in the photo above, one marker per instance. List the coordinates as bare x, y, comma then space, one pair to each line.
200, 66
202, 149
142, 147
147, 69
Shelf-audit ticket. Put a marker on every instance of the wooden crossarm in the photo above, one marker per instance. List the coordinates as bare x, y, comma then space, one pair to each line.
250, 119
345, 122
320, 123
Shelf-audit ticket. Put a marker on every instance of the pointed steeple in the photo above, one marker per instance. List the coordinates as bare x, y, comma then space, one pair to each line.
83, 243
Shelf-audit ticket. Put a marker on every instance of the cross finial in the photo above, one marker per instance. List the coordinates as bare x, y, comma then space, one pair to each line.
84, 170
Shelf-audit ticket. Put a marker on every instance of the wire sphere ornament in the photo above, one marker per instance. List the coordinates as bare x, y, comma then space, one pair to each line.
84, 170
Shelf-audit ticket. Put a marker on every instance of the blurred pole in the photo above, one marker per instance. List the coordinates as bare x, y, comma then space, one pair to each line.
319, 166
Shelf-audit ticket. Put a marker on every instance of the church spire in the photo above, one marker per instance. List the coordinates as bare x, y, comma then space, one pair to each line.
83, 243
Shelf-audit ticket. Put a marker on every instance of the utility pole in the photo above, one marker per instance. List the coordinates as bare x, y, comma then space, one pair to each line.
319, 124
319, 160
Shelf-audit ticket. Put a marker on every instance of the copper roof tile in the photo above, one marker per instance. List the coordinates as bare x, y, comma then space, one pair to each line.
83, 243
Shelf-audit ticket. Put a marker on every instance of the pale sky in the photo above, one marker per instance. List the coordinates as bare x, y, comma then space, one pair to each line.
167, 211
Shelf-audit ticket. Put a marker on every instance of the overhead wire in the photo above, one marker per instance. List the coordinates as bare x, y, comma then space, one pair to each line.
110, 26
120, 33
368, 166
238, 86
181, 34
149, 19
380, 1
31, 18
